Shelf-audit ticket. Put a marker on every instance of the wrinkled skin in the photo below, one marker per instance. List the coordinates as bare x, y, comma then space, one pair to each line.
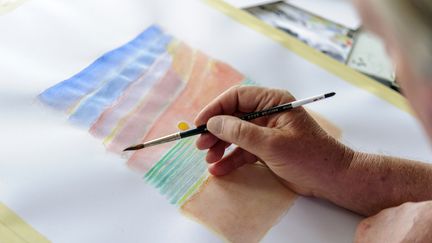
410, 222
312, 163
282, 141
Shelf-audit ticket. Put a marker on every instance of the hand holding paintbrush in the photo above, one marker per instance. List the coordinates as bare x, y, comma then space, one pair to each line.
247, 117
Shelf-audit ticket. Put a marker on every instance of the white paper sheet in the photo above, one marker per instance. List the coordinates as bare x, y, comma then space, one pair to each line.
60, 179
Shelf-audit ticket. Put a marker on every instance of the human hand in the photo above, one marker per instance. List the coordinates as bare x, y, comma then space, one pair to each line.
409, 222
291, 144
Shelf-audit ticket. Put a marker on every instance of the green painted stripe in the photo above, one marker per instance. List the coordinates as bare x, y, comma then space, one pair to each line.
192, 189
165, 160
181, 171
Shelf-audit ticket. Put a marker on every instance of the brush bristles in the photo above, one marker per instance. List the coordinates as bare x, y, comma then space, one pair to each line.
136, 147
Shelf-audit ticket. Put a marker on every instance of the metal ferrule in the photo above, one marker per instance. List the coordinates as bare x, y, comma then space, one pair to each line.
165, 139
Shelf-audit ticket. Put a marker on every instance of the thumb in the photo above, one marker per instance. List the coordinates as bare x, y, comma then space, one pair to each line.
245, 134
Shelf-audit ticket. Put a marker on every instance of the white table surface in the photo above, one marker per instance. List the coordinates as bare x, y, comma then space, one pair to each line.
59, 178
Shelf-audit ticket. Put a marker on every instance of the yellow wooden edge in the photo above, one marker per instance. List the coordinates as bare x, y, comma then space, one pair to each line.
8, 236
339, 69
12, 222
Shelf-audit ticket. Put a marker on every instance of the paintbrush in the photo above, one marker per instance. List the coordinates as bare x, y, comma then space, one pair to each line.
247, 117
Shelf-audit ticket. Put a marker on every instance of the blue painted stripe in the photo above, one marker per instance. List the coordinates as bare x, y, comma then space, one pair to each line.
94, 105
67, 93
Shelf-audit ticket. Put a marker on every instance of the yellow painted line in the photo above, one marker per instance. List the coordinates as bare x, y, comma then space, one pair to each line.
339, 69
14, 229
193, 189
7, 6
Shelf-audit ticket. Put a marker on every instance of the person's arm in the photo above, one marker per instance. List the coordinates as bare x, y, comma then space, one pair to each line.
371, 183
304, 156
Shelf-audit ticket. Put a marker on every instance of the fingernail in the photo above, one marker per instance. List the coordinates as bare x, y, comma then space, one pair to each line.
214, 125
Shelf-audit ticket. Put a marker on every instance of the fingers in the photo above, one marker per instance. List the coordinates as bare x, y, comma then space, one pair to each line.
226, 129
216, 148
242, 99
216, 152
234, 160
246, 135
206, 141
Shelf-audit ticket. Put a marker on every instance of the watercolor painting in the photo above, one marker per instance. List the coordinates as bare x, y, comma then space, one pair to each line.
141, 91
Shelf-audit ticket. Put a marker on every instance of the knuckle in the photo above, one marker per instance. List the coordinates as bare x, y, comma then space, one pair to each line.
407, 204
401, 207
241, 90
283, 96
234, 89
287, 95
363, 226
238, 131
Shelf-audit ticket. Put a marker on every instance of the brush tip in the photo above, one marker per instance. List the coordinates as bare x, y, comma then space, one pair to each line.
329, 94
135, 147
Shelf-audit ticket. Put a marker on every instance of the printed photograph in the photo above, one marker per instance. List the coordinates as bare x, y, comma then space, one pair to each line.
324, 35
